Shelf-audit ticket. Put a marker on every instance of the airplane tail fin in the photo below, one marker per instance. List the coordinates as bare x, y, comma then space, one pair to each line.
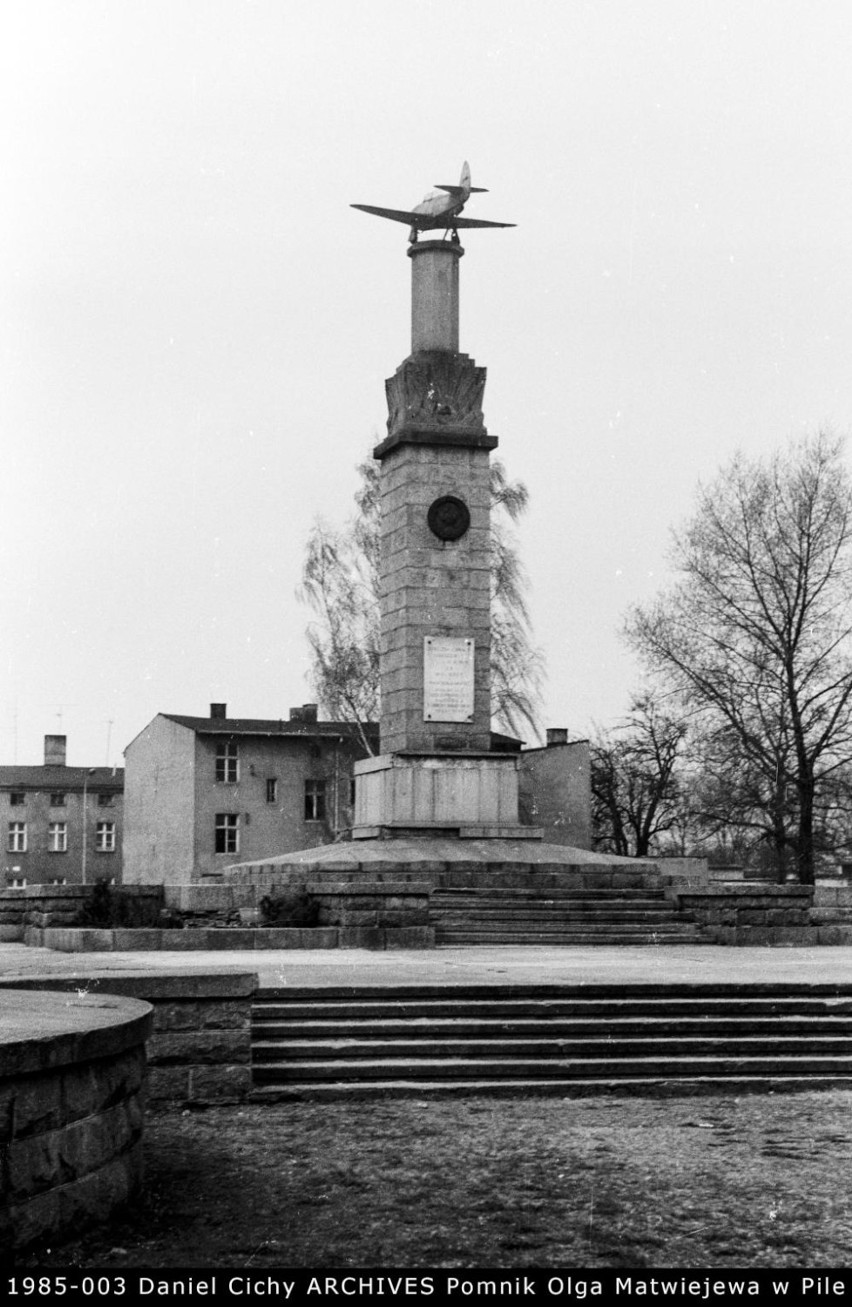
464, 182
464, 187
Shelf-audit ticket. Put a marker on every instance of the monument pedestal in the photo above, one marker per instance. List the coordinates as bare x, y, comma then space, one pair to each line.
466, 794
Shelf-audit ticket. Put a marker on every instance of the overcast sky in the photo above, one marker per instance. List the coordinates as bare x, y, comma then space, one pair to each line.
196, 327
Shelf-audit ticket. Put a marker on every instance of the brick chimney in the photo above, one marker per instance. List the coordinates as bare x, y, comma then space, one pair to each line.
218, 711
556, 735
307, 713
54, 750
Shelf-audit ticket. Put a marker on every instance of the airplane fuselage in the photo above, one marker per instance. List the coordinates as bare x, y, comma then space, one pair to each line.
439, 209
437, 204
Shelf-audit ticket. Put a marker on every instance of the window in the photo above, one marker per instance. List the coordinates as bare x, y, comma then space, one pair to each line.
18, 882
57, 800
17, 840
227, 832
314, 800
57, 837
272, 790
17, 799
105, 837
105, 800
227, 763
59, 880
352, 791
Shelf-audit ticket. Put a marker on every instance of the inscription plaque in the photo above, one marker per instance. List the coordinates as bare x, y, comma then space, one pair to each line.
447, 679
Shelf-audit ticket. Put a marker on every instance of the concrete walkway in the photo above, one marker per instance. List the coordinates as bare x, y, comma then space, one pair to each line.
452, 966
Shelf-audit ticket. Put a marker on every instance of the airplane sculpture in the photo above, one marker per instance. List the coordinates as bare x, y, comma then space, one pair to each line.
440, 209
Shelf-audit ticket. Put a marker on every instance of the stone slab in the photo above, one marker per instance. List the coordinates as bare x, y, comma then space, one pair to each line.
44, 1030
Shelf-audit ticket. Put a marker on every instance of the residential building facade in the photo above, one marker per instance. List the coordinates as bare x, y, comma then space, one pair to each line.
60, 825
203, 793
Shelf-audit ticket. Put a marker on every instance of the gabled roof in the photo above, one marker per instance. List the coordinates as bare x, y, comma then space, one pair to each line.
57, 778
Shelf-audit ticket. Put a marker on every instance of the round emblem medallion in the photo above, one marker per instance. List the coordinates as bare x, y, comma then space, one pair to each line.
449, 518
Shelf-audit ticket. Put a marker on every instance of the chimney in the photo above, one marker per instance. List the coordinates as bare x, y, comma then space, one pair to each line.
307, 713
556, 735
54, 750
218, 711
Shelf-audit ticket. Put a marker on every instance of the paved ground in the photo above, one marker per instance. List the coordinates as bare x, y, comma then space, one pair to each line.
449, 966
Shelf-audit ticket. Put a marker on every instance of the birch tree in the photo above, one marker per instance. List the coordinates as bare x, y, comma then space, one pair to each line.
340, 583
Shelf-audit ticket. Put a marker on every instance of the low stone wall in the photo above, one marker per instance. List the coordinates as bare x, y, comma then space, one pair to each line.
831, 911
41, 906
358, 914
71, 1081
199, 1049
752, 914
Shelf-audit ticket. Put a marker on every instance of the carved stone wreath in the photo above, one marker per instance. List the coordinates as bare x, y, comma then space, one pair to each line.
448, 518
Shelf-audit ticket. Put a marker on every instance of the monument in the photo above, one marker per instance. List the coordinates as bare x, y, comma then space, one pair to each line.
438, 808
437, 772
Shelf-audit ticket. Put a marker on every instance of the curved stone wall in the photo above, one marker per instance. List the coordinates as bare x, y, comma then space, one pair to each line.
72, 1070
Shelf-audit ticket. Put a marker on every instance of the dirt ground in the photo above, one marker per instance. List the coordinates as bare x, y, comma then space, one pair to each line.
714, 1182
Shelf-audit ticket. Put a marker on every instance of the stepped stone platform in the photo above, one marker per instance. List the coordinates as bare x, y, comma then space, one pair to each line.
537, 914
436, 857
477, 892
514, 1020
514, 1039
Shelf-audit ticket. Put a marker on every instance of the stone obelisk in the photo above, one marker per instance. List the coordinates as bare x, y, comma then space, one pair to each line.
436, 772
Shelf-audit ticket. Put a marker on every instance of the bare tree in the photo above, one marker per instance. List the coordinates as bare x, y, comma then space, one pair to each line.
755, 637
340, 580
635, 789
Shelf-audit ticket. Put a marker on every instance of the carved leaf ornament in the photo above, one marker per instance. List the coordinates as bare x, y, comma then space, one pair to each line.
446, 390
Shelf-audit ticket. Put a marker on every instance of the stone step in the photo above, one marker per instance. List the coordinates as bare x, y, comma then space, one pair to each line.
454, 1005
532, 914
567, 937
543, 913
268, 1031
319, 1043
552, 935
554, 894
544, 1068
602, 1047
499, 917
646, 1087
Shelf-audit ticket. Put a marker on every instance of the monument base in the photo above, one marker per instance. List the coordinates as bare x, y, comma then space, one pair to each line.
441, 860
466, 794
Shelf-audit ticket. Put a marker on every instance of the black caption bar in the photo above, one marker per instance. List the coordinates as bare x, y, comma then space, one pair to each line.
218, 1287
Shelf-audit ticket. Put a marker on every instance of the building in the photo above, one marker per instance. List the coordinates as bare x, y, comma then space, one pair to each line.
61, 825
203, 793
556, 789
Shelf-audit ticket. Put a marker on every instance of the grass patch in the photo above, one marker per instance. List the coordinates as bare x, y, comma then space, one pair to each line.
705, 1182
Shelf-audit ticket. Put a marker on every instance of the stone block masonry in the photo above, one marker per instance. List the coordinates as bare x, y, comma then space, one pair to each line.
199, 1049
751, 914
41, 906
432, 587
72, 1072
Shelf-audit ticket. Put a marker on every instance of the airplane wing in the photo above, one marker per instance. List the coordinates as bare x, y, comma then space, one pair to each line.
427, 221
479, 222
396, 215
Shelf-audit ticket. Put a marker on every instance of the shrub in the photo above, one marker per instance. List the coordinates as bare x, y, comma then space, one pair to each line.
111, 906
296, 908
